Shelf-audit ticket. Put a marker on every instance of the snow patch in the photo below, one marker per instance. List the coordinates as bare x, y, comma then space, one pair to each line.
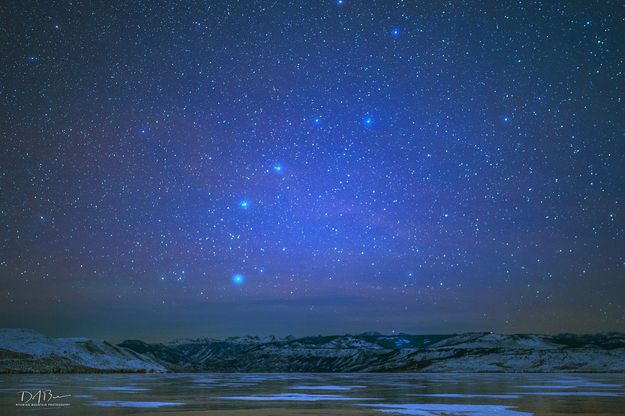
119, 403
296, 397
337, 388
433, 409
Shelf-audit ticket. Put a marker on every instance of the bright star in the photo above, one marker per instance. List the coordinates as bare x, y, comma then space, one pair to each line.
367, 121
238, 279
245, 204
395, 32
277, 167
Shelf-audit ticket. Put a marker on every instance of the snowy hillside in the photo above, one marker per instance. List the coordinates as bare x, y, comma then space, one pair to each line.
471, 352
27, 351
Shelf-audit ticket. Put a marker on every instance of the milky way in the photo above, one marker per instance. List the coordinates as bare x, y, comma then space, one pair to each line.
308, 167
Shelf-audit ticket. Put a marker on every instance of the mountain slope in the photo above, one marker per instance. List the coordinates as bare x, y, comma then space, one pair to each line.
26, 351
471, 352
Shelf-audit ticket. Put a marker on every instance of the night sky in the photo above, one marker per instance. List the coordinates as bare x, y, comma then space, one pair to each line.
222, 168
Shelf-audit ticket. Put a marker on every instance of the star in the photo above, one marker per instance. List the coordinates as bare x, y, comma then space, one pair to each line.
395, 32
278, 167
244, 204
367, 121
238, 279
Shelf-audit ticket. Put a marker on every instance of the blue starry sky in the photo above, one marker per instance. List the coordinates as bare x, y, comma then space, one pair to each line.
218, 168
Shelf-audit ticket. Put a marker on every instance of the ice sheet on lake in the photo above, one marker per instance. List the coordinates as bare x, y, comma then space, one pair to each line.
434, 409
572, 393
335, 388
269, 377
297, 397
471, 396
120, 388
204, 380
27, 388
572, 383
119, 403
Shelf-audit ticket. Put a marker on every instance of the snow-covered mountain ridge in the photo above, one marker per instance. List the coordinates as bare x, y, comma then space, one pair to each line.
24, 350
470, 352
27, 351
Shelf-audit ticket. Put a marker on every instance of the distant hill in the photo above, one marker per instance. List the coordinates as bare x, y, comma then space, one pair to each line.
372, 352
28, 351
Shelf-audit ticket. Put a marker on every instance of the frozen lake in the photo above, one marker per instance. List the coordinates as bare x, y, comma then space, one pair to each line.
314, 394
